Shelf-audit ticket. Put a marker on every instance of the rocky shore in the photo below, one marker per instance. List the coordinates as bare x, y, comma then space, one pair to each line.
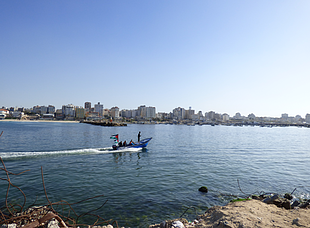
263, 212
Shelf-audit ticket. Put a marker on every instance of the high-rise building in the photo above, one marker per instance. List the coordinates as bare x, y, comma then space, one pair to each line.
68, 110
79, 112
43, 109
210, 115
146, 112
189, 113
115, 112
225, 117
179, 113
87, 106
99, 108
51, 109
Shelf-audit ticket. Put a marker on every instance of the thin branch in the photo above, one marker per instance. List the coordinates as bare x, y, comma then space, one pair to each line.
240, 188
50, 203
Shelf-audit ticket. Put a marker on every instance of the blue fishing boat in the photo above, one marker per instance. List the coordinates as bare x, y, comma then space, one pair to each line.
117, 146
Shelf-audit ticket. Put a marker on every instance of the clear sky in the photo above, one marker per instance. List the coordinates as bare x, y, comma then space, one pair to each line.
225, 56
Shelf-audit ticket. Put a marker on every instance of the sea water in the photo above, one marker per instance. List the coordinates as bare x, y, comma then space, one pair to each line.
146, 186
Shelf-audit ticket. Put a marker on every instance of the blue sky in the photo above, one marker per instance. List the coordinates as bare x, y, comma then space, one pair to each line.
223, 56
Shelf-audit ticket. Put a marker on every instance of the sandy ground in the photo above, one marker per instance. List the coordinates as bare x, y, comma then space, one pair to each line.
248, 214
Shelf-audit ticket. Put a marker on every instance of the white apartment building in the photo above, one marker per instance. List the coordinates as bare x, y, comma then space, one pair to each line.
115, 112
146, 112
179, 113
225, 117
210, 115
99, 108
68, 110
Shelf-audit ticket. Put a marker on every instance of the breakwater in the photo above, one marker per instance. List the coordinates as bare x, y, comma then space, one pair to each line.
105, 123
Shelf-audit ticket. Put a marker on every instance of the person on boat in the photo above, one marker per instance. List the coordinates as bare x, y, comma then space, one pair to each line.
124, 143
120, 144
131, 143
139, 136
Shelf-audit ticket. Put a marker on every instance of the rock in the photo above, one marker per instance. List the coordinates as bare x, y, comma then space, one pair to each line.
203, 189
304, 205
295, 204
177, 224
296, 222
281, 202
288, 196
270, 200
53, 224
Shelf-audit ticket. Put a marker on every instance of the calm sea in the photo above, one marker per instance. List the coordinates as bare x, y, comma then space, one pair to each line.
144, 187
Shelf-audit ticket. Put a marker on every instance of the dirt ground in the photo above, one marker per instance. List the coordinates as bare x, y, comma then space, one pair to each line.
248, 214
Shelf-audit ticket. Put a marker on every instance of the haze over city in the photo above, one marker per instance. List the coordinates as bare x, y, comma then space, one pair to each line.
222, 56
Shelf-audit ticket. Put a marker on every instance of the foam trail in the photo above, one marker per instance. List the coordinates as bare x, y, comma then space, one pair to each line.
106, 150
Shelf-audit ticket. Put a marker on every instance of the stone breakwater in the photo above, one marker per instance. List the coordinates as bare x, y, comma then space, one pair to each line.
104, 123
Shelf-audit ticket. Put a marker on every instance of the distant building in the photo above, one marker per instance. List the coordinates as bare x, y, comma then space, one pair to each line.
189, 113
115, 112
225, 117
237, 116
4, 113
210, 115
106, 112
307, 118
68, 111
298, 118
48, 116
99, 108
284, 116
251, 116
92, 116
17, 114
179, 113
128, 113
163, 115
79, 113
218, 116
43, 110
146, 112
51, 109
87, 106
36, 109
59, 114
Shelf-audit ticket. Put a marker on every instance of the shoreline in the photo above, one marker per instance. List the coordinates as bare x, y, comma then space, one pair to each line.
43, 121
249, 213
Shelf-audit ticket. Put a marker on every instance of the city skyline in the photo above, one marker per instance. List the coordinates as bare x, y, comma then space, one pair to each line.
229, 57
90, 105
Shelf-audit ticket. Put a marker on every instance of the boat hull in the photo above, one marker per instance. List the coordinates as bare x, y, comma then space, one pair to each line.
143, 143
